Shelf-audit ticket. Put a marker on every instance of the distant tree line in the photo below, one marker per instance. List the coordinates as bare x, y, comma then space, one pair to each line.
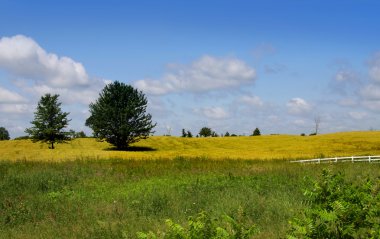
187, 134
208, 132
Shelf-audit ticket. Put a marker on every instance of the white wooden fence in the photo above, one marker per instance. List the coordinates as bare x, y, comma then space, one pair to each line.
341, 159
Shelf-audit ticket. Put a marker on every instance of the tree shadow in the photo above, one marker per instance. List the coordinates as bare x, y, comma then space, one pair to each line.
132, 149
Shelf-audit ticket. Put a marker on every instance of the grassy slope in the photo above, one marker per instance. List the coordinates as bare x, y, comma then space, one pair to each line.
96, 198
105, 198
263, 147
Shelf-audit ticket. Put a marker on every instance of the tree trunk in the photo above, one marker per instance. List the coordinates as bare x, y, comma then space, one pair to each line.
52, 145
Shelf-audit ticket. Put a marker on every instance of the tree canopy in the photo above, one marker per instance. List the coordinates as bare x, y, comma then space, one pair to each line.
119, 115
4, 134
256, 132
205, 132
49, 122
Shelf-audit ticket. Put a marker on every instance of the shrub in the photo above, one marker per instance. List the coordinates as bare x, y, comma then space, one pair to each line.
22, 137
339, 209
205, 227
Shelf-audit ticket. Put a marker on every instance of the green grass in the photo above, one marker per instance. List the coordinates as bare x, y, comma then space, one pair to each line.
106, 198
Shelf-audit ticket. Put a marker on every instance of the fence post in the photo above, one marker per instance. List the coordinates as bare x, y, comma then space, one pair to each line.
369, 159
319, 160
336, 159
352, 159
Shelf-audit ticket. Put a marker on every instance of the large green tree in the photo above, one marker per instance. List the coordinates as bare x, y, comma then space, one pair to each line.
205, 132
49, 122
4, 134
119, 115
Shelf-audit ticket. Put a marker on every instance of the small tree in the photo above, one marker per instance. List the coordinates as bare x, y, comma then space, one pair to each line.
205, 132
80, 134
256, 132
338, 208
119, 115
227, 134
4, 134
184, 133
49, 122
189, 134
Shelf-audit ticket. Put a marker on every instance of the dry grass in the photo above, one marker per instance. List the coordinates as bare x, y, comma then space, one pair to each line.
262, 147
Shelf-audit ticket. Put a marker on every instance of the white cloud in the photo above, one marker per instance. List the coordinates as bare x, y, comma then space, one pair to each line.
345, 75
252, 100
69, 95
347, 102
23, 57
213, 112
155, 87
372, 104
204, 74
298, 106
299, 122
15, 108
374, 67
35, 72
7, 96
357, 115
371, 92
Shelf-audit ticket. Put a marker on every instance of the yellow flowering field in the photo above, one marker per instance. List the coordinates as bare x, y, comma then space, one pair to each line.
165, 147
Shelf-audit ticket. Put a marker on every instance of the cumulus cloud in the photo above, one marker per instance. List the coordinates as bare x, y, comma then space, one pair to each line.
371, 92
348, 102
357, 115
69, 95
374, 67
213, 112
298, 106
15, 108
33, 72
205, 74
23, 57
346, 81
372, 104
345, 75
7, 96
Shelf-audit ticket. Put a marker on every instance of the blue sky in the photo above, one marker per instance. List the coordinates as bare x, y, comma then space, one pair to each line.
230, 65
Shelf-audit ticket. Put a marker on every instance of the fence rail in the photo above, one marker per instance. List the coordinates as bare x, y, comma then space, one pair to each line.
352, 159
